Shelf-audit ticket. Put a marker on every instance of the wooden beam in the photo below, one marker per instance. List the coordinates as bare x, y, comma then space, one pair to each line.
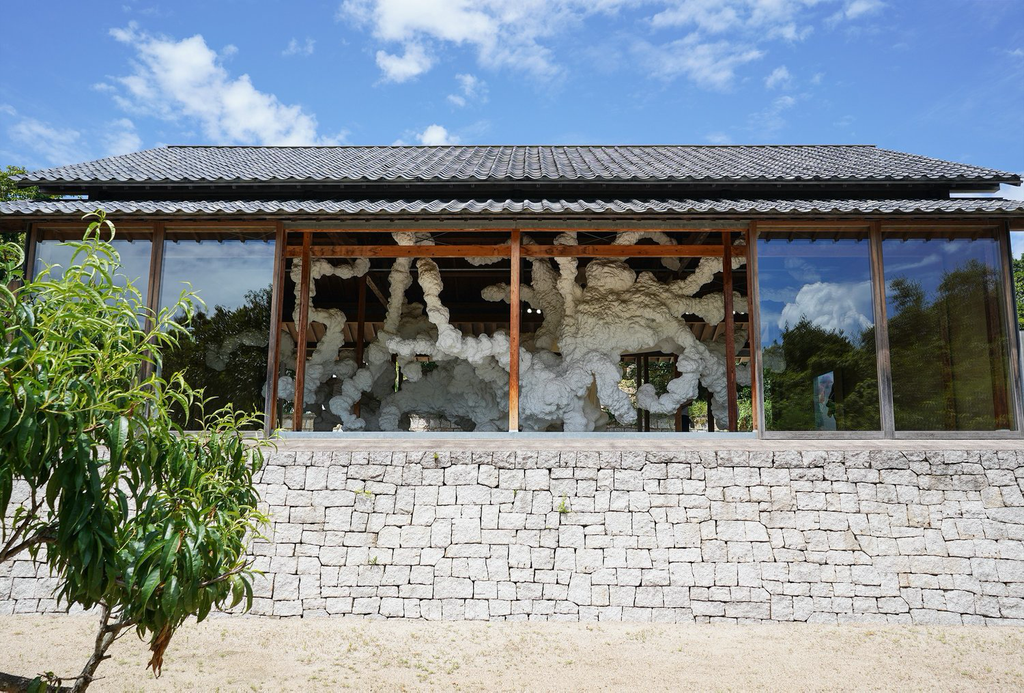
377, 292
360, 331
300, 332
404, 251
622, 251
392, 251
514, 310
730, 330
274, 343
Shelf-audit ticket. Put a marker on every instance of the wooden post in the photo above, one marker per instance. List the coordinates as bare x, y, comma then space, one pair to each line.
513, 356
679, 410
30, 252
360, 331
639, 382
156, 267
647, 379
881, 316
754, 404
274, 343
300, 331
730, 330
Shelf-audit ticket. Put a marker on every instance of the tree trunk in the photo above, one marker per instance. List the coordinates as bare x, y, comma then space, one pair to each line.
104, 639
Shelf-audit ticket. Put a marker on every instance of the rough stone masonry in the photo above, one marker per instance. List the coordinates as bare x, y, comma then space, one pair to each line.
884, 535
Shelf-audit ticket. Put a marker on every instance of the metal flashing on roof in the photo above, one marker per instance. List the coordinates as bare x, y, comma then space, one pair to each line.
509, 164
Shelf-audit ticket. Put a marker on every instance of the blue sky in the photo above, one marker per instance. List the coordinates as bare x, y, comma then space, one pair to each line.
83, 80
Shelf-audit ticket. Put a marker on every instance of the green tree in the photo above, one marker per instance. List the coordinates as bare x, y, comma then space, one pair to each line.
135, 519
9, 189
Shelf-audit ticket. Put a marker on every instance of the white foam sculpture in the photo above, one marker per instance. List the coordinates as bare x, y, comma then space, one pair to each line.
569, 368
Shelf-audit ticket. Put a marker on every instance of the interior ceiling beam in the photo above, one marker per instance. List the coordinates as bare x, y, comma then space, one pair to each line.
501, 251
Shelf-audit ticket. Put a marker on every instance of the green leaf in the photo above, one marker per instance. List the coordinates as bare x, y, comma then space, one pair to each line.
148, 586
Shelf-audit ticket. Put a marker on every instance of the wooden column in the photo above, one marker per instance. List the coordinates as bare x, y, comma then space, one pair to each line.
274, 343
639, 382
679, 410
1013, 338
513, 355
647, 379
156, 268
881, 315
30, 252
300, 331
360, 332
751, 278
730, 330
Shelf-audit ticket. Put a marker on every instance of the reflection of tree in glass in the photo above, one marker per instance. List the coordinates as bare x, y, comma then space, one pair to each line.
226, 353
949, 354
808, 351
1018, 287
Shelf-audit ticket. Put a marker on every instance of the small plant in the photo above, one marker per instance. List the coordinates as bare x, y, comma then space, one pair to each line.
563, 507
364, 492
373, 560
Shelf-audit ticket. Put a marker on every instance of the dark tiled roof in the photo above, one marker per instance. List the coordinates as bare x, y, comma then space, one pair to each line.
739, 163
660, 206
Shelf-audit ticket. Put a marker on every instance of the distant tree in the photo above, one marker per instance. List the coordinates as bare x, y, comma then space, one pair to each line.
134, 518
9, 189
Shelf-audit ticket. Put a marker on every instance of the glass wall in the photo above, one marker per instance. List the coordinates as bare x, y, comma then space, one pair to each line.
817, 332
948, 337
135, 251
226, 349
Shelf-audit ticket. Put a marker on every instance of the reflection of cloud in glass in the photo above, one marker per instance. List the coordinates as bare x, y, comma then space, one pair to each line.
896, 267
801, 270
1017, 243
222, 273
134, 256
839, 307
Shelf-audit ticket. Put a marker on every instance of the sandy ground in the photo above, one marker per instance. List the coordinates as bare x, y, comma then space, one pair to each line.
261, 654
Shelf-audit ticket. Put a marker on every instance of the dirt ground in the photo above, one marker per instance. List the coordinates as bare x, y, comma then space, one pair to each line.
260, 654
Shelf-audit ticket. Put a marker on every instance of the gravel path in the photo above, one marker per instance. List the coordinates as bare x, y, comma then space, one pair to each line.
260, 654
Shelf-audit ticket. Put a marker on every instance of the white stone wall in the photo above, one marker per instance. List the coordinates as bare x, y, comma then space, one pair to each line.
879, 536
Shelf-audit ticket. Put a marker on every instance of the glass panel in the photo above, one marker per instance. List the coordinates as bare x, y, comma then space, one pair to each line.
1017, 251
226, 352
135, 256
817, 333
947, 332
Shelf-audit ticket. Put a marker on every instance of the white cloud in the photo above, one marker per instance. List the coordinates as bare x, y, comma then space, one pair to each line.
504, 33
57, 146
185, 80
770, 121
400, 68
842, 307
779, 77
711, 65
773, 19
718, 138
471, 88
855, 9
296, 48
435, 135
121, 138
